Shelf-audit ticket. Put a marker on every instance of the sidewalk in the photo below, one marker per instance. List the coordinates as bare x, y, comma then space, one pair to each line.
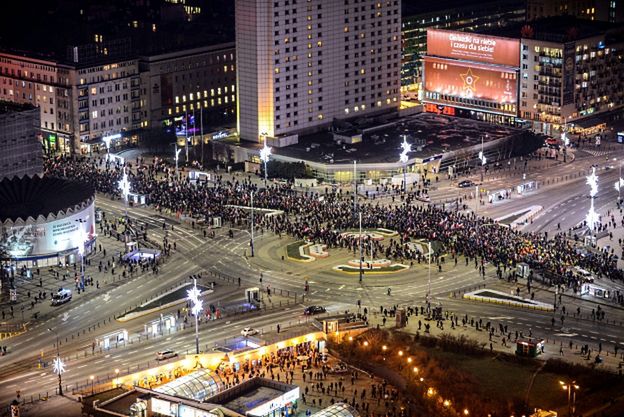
475, 328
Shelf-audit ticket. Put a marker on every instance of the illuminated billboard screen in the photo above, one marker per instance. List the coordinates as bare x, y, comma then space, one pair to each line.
473, 47
472, 82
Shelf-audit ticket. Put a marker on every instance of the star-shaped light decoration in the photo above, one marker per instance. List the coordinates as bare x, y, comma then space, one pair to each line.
124, 185
482, 158
470, 80
193, 295
592, 181
592, 217
406, 147
265, 152
58, 366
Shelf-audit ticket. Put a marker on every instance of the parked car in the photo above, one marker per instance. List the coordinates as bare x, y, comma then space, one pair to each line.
249, 331
62, 296
167, 354
312, 310
466, 184
339, 368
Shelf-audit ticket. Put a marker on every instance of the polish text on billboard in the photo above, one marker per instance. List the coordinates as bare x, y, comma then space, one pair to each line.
473, 47
471, 81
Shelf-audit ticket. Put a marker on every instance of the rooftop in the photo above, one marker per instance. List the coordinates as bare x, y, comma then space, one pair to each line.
40, 196
419, 7
9, 107
429, 135
555, 29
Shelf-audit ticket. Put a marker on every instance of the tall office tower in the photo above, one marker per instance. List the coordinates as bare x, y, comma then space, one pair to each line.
303, 63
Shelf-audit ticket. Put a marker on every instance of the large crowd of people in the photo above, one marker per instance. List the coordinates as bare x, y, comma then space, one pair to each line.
321, 217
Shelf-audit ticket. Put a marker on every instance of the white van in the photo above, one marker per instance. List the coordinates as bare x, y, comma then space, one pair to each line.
585, 275
61, 297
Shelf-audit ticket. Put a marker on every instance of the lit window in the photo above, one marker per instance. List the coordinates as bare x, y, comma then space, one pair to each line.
225, 68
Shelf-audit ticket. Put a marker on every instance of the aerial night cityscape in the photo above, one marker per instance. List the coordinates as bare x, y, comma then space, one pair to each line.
327, 208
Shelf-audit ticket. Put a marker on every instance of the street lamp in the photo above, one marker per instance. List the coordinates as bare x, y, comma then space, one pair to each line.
406, 148
571, 388
83, 237
92, 390
124, 188
58, 365
265, 153
429, 273
361, 271
177, 156
193, 295
252, 224
619, 184
592, 217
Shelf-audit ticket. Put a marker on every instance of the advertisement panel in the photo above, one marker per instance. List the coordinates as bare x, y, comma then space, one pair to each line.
569, 73
44, 238
473, 47
472, 81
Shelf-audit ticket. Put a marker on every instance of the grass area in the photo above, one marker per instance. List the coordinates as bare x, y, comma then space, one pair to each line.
385, 269
490, 294
292, 250
504, 379
499, 377
510, 219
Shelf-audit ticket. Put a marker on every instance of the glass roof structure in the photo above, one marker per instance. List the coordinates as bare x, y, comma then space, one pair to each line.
337, 410
198, 385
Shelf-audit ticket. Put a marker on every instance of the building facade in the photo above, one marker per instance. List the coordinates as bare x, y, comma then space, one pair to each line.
603, 10
200, 81
567, 79
471, 75
107, 100
304, 63
464, 16
45, 84
20, 149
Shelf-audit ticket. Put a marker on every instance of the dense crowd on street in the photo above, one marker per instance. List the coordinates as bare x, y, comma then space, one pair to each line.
322, 217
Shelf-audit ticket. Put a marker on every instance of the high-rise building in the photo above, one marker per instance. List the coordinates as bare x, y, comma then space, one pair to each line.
20, 148
179, 83
570, 69
462, 15
603, 10
304, 63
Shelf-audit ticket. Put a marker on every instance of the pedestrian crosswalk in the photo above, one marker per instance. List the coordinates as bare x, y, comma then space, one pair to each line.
597, 152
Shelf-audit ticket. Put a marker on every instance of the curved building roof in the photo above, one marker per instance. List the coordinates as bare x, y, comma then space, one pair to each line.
337, 410
21, 198
197, 385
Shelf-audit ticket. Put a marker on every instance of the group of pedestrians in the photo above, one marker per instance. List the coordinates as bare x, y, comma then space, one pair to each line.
322, 217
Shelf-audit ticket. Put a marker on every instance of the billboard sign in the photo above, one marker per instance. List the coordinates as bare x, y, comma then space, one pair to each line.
474, 47
49, 237
471, 81
569, 73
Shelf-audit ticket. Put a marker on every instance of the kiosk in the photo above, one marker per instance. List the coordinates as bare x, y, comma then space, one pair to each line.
529, 347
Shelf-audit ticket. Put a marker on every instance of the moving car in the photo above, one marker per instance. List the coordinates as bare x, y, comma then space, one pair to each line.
249, 331
167, 354
62, 296
466, 184
312, 310
339, 368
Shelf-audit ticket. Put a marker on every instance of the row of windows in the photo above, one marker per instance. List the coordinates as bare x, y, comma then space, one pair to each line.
219, 101
219, 91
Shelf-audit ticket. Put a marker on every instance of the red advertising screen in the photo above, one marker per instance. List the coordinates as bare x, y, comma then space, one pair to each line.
473, 47
471, 81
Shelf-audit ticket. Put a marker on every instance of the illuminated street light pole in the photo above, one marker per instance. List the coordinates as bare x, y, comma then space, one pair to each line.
58, 365
107, 142
252, 224
177, 156
592, 217
429, 273
406, 148
82, 251
265, 153
354, 187
193, 295
571, 389
619, 184
361, 271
